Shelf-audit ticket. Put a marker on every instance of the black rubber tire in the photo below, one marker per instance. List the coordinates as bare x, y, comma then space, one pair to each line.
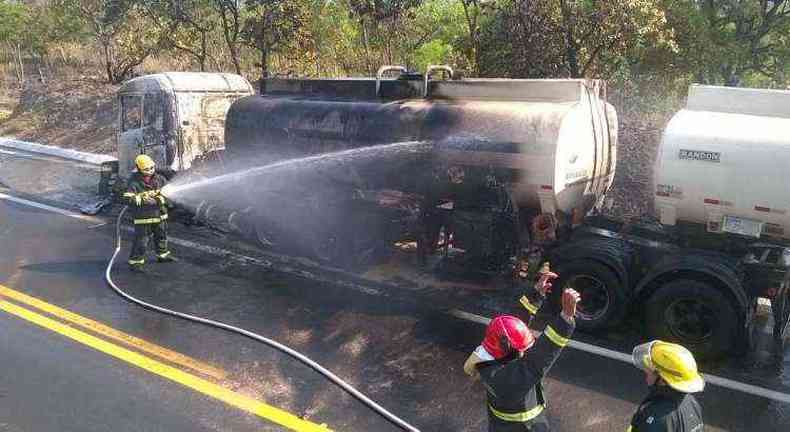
720, 312
614, 302
780, 306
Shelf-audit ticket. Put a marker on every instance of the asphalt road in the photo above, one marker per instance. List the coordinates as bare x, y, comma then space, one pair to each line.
399, 347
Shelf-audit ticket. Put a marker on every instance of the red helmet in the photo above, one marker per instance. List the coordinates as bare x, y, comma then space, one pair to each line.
506, 333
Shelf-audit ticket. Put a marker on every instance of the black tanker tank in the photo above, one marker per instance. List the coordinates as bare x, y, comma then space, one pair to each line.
361, 164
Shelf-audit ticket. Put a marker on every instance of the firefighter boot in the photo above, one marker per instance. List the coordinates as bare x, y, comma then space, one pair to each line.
136, 267
166, 257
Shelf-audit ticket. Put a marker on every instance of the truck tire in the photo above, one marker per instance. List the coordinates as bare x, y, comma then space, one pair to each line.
603, 300
694, 314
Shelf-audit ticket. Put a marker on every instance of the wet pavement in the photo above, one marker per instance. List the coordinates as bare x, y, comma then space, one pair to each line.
398, 345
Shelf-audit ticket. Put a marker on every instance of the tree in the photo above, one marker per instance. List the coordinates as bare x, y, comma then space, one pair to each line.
274, 26
123, 32
13, 22
439, 35
474, 11
232, 26
382, 24
191, 24
741, 38
577, 38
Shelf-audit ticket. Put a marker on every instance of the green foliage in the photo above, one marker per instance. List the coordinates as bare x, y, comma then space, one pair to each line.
277, 27
649, 50
13, 20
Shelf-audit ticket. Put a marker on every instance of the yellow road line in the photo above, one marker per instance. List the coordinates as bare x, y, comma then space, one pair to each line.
116, 335
237, 400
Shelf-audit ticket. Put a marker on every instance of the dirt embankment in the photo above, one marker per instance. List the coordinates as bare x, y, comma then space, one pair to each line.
78, 114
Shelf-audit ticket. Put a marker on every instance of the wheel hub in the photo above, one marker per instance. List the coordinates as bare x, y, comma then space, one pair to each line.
690, 320
595, 299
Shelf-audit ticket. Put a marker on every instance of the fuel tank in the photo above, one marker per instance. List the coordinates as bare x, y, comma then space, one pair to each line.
552, 141
723, 162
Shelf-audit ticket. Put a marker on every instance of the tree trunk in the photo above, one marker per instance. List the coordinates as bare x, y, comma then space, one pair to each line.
474, 39
203, 52
264, 66
41, 72
62, 55
21, 66
571, 49
367, 47
108, 61
234, 57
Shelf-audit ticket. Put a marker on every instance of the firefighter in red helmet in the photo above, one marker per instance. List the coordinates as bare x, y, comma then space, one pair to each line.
511, 364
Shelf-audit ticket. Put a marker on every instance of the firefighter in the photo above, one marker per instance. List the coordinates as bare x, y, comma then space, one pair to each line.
511, 364
671, 373
149, 210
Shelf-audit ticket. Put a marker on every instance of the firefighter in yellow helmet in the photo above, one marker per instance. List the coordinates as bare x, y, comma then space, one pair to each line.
671, 373
149, 211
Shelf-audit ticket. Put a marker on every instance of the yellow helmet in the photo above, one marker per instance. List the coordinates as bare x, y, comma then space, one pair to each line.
145, 164
673, 363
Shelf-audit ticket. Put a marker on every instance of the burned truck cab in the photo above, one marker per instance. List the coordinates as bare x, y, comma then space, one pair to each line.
176, 118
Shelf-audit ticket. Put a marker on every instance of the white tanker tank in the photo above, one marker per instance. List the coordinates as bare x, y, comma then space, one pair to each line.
724, 162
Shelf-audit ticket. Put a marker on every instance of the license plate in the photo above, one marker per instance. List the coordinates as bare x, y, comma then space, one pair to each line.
746, 227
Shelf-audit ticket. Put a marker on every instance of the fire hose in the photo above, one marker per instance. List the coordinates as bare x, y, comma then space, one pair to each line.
274, 344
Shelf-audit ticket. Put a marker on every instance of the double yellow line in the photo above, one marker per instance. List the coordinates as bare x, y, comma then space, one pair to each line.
157, 367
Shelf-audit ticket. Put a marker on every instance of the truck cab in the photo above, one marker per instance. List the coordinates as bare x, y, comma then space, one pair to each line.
177, 118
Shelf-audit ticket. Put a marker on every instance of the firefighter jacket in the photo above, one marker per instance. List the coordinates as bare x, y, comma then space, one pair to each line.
667, 410
514, 388
135, 196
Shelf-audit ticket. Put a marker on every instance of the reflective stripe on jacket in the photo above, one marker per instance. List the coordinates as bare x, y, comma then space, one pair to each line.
136, 192
514, 388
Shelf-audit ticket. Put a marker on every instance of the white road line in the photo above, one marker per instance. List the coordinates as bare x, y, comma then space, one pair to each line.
626, 358
58, 210
593, 349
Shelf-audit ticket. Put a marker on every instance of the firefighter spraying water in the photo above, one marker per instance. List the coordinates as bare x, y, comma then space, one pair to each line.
149, 212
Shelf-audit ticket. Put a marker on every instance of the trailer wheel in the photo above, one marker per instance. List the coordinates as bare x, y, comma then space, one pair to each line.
694, 314
603, 301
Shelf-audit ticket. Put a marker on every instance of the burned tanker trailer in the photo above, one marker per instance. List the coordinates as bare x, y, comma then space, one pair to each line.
469, 172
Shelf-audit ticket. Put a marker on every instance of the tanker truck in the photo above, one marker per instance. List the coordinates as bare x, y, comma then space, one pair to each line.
479, 181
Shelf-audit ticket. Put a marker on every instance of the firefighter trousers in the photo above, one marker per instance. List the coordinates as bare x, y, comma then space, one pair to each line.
143, 233
538, 424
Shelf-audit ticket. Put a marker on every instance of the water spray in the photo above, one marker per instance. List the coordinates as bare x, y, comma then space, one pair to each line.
349, 155
392, 418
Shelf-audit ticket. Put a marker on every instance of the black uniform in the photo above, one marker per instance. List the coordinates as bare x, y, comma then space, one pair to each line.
149, 219
514, 388
667, 410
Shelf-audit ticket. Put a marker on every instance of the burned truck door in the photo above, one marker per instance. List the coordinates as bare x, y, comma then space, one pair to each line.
130, 134
142, 130
153, 130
